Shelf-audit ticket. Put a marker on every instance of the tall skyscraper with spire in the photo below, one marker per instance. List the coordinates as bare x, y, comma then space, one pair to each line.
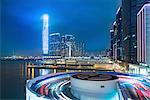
45, 34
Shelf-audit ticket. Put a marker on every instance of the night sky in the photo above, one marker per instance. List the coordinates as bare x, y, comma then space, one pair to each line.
88, 20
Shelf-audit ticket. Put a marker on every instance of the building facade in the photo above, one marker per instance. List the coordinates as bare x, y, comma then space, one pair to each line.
80, 49
119, 34
143, 34
114, 40
130, 8
55, 44
116, 37
65, 46
68, 46
45, 37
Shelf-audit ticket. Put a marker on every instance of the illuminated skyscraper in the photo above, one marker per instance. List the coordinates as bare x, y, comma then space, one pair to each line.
143, 34
55, 44
70, 45
116, 37
80, 49
130, 8
113, 32
45, 33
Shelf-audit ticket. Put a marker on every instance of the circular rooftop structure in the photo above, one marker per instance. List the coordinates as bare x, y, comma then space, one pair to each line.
83, 84
88, 86
94, 77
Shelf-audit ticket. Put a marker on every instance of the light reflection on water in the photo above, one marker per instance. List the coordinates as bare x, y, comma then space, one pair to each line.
33, 72
13, 80
14, 75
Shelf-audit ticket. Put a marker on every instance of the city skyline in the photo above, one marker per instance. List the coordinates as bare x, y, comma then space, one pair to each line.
75, 50
22, 24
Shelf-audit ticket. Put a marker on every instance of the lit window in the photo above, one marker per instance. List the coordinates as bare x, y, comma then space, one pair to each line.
133, 35
134, 46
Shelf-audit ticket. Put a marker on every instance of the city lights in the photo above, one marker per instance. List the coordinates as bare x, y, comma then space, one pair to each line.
75, 50
45, 17
45, 33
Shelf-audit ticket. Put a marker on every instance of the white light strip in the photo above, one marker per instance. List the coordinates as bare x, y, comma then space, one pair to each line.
45, 34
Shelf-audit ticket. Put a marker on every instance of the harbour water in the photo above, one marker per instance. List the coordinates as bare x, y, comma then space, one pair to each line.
14, 74
13, 80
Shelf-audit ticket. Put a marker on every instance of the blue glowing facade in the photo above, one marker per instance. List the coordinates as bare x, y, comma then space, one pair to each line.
45, 33
55, 44
68, 45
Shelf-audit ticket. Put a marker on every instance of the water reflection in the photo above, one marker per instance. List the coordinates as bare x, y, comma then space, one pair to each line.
44, 71
15, 73
14, 80
35, 72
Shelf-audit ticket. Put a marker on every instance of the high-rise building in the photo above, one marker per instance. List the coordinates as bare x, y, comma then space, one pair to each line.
45, 33
143, 34
112, 39
63, 46
80, 49
119, 34
129, 30
113, 32
130, 8
55, 44
67, 45
116, 37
